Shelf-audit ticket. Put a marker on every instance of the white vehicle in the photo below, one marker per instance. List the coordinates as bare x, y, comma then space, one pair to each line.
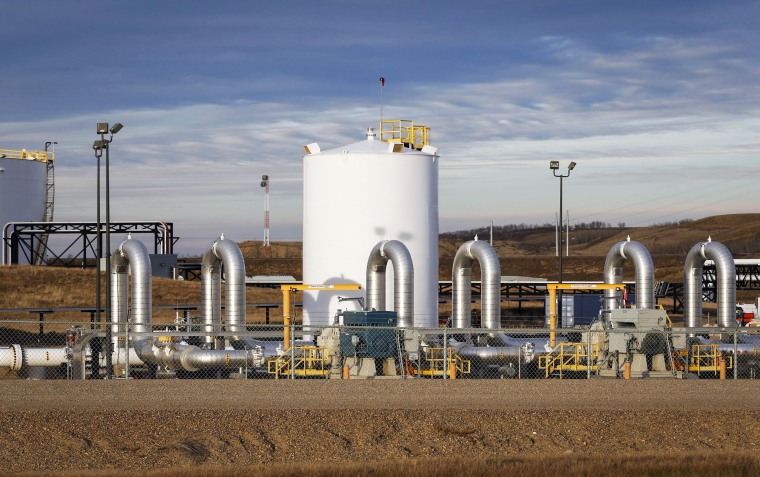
746, 314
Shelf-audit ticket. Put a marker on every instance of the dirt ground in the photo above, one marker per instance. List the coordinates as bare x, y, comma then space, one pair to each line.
135, 426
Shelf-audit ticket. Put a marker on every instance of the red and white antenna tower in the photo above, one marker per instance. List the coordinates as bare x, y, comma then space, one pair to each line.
265, 185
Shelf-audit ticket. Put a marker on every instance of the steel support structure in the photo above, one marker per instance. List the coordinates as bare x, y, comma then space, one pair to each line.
21, 241
747, 278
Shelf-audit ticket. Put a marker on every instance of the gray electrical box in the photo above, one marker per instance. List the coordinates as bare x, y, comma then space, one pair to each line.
162, 265
369, 334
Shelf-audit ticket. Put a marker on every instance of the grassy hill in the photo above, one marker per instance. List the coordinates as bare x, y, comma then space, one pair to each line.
739, 232
530, 251
525, 252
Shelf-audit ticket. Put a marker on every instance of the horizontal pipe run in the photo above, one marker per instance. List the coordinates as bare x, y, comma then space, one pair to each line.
178, 356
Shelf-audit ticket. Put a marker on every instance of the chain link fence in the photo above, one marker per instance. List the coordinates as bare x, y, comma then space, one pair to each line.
187, 348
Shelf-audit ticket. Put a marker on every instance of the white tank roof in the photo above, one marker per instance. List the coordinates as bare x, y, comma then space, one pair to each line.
372, 146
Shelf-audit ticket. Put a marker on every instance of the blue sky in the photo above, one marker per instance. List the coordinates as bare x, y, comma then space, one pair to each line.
656, 101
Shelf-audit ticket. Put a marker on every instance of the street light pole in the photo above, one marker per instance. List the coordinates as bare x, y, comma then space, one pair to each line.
98, 147
554, 166
102, 129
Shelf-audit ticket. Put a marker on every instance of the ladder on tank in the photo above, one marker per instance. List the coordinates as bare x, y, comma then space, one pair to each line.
47, 216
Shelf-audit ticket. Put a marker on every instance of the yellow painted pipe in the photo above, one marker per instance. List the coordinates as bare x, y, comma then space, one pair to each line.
345, 372
452, 371
552, 317
286, 318
627, 370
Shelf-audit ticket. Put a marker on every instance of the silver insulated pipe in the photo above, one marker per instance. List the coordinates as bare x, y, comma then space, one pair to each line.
490, 288
726, 287
181, 356
130, 255
642, 263
227, 253
403, 280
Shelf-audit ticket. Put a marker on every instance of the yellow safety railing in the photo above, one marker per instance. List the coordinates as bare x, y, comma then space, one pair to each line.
41, 156
569, 357
305, 361
705, 358
404, 131
439, 361
667, 318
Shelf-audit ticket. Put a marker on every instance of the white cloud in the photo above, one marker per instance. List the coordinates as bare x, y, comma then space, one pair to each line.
655, 116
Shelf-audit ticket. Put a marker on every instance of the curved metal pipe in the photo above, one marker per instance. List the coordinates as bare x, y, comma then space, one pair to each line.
227, 253
130, 255
726, 286
642, 263
490, 287
403, 280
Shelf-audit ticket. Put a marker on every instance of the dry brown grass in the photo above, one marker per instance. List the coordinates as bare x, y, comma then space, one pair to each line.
568, 465
52, 287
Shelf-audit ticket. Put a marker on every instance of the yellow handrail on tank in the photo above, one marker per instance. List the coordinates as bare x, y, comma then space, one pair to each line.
405, 132
40, 156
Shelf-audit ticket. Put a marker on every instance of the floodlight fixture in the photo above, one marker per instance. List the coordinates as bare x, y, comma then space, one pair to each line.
116, 128
571, 166
554, 165
102, 128
99, 144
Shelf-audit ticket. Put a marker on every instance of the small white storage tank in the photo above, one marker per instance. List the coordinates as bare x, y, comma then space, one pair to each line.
354, 197
22, 186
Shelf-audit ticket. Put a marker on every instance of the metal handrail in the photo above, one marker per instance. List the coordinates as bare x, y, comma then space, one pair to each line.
706, 358
569, 357
40, 156
404, 131
307, 360
439, 361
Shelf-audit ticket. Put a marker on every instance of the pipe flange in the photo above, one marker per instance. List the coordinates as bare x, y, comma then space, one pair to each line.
18, 357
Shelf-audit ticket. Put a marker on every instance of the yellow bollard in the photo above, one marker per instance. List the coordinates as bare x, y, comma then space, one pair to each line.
722, 368
627, 370
345, 372
452, 371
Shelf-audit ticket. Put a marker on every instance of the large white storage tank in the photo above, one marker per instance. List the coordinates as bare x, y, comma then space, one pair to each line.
354, 197
22, 186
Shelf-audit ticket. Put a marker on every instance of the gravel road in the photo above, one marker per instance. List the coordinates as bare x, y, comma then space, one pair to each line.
137, 425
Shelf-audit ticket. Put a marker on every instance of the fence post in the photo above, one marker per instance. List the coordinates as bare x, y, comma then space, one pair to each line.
445, 354
419, 355
736, 360
126, 348
519, 362
588, 354
292, 351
